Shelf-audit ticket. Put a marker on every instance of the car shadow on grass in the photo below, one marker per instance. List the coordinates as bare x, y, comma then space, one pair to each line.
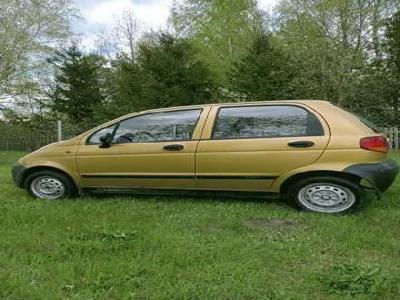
214, 197
193, 197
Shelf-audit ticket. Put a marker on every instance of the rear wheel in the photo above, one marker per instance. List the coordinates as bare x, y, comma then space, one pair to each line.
327, 194
50, 185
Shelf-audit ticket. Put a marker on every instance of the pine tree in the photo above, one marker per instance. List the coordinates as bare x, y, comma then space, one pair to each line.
165, 73
77, 92
265, 73
178, 77
130, 86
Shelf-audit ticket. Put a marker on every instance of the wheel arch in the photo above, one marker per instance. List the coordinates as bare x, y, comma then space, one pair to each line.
285, 186
32, 170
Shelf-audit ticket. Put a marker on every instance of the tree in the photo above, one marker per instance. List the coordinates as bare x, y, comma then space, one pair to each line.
369, 94
121, 38
265, 73
165, 73
128, 31
131, 86
221, 30
331, 42
178, 77
27, 30
393, 38
78, 89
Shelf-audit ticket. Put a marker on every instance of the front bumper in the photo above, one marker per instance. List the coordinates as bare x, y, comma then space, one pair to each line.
380, 175
17, 175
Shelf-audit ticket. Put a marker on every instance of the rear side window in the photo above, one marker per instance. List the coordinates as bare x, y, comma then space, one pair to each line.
265, 122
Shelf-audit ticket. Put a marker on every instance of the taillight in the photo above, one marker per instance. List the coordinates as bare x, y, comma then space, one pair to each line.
375, 143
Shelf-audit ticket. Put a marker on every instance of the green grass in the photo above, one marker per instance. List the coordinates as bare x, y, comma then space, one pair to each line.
192, 248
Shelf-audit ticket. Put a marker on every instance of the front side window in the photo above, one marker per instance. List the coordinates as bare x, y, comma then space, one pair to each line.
154, 127
265, 121
95, 138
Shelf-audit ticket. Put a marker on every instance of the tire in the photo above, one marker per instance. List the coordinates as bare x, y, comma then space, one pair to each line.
327, 194
50, 185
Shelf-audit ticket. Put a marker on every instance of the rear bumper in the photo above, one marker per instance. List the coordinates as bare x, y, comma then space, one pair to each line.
17, 173
381, 175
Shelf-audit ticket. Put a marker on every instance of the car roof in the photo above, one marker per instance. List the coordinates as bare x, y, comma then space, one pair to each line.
303, 101
300, 101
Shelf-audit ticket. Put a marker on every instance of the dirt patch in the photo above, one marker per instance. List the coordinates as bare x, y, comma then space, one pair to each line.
270, 224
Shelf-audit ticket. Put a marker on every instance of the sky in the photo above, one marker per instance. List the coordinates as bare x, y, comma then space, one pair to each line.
100, 15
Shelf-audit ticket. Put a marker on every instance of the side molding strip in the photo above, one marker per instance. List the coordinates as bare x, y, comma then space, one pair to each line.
180, 177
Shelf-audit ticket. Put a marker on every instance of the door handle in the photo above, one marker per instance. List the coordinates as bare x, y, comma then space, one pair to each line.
301, 144
173, 147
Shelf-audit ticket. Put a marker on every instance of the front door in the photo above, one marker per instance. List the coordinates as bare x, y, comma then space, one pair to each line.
248, 147
154, 150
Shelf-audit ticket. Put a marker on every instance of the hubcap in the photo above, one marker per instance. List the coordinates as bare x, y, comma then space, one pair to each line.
47, 187
326, 197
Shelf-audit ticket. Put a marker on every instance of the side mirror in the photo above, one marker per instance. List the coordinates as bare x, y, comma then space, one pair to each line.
106, 140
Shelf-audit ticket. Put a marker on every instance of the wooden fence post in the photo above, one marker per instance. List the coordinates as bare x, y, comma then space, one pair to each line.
59, 131
396, 138
386, 131
393, 134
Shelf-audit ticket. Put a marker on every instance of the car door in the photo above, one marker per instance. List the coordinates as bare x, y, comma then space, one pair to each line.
248, 147
152, 150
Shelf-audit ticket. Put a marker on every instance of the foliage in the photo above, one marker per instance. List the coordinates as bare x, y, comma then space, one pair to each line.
28, 29
78, 89
177, 76
220, 30
265, 73
375, 91
325, 42
165, 73
393, 37
129, 87
344, 51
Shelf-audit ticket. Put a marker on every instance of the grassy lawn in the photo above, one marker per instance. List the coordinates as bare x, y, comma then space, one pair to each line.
193, 248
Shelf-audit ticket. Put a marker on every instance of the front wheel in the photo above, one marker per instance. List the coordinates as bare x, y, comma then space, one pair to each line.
50, 185
327, 194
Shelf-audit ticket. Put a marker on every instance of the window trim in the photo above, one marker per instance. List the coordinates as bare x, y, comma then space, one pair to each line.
201, 109
264, 137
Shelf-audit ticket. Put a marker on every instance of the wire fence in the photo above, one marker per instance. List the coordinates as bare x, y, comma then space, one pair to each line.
30, 141
23, 138
20, 138
16, 138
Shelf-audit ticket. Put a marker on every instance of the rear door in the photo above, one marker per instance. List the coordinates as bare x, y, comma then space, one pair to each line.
248, 147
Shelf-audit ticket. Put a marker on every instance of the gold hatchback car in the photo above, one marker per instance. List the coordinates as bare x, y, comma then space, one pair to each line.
312, 152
